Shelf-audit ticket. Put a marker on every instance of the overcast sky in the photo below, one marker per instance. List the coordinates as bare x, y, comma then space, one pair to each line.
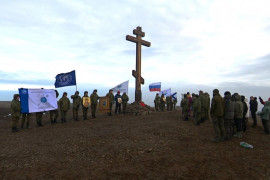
195, 44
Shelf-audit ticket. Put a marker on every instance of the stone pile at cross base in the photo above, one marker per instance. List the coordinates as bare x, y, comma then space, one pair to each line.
136, 108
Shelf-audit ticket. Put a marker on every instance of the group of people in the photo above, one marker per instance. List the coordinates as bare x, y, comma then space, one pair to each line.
229, 114
64, 106
161, 101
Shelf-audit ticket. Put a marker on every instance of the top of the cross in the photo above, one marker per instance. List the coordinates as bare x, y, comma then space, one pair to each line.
138, 31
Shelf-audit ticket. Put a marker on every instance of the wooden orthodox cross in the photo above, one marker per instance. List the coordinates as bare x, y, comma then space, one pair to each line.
137, 74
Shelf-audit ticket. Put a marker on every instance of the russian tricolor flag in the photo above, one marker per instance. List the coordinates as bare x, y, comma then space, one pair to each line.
155, 86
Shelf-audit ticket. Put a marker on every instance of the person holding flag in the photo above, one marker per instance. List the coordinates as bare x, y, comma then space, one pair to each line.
76, 105
64, 105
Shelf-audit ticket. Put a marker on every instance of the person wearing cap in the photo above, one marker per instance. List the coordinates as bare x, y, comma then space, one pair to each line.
118, 102
76, 105
238, 115
54, 113
15, 112
111, 100
64, 105
217, 112
125, 99
85, 106
94, 101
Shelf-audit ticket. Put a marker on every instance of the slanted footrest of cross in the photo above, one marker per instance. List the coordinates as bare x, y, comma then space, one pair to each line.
135, 74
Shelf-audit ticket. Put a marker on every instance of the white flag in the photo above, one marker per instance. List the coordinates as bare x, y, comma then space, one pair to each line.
37, 100
123, 87
166, 92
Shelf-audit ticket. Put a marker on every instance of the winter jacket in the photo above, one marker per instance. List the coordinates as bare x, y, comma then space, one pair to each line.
197, 108
111, 97
229, 107
184, 103
264, 114
217, 106
94, 99
76, 100
253, 105
116, 98
239, 108
64, 104
157, 99
15, 108
125, 98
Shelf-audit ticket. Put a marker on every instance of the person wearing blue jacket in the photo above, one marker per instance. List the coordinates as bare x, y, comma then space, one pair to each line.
118, 101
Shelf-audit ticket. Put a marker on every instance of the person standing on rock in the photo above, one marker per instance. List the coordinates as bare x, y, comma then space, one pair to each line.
15, 112
76, 105
118, 102
157, 102
111, 100
125, 99
217, 113
64, 105
94, 101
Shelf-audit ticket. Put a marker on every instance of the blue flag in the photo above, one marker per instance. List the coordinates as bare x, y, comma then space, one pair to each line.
174, 96
65, 79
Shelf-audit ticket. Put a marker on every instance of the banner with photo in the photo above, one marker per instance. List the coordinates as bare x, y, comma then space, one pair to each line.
86, 101
104, 105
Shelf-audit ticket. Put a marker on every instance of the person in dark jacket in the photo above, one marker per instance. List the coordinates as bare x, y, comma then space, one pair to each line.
118, 102
245, 110
228, 115
253, 109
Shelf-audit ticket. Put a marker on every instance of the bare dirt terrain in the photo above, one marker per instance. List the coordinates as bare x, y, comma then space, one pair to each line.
155, 146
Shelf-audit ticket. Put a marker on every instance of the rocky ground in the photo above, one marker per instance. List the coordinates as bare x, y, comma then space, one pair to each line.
155, 146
